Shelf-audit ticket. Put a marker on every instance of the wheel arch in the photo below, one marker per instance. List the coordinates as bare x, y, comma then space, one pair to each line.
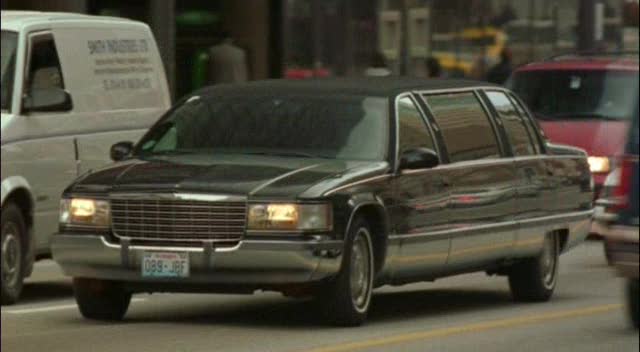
372, 208
16, 189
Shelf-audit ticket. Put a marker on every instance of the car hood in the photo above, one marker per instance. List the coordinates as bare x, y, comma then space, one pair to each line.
601, 138
252, 176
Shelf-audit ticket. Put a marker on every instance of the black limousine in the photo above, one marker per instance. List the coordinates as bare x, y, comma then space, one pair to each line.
327, 188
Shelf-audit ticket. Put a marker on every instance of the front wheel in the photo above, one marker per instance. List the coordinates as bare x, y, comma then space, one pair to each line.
101, 299
13, 242
347, 298
534, 279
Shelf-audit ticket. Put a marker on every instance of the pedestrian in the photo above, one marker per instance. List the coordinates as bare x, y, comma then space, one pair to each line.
377, 66
499, 73
227, 61
433, 68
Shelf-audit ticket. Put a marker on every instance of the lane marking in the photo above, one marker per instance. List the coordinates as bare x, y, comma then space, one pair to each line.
52, 308
465, 329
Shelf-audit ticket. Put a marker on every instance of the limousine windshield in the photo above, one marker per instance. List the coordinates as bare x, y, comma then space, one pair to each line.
336, 127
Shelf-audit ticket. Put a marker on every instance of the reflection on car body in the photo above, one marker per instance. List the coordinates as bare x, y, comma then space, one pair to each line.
327, 188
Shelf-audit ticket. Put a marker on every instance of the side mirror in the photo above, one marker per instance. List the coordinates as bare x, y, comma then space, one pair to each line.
120, 150
49, 99
419, 158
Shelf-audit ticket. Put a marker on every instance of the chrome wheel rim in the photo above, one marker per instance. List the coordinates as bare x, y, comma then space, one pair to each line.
361, 278
549, 261
10, 254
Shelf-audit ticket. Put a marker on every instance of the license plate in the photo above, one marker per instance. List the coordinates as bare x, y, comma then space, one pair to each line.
165, 264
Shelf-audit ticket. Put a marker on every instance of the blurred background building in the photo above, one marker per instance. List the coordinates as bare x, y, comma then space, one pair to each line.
306, 38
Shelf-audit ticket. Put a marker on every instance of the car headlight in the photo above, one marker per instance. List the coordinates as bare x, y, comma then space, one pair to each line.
290, 217
85, 212
599, 164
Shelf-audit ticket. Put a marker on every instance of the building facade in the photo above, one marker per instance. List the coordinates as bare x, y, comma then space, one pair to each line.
306, 38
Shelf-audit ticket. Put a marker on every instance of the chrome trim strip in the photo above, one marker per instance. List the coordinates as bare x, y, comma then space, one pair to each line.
169, 248
577, 214
436, 234
441, 233
203, 197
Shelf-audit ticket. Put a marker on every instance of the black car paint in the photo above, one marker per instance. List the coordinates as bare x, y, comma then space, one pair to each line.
439, 208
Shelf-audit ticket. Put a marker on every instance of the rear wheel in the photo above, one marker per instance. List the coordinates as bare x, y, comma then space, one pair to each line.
13, 245
101, 299
534, 279
632, 300
347, 298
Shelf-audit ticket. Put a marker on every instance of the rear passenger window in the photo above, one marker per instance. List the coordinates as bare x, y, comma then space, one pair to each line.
413, 131
513, 123
465, 126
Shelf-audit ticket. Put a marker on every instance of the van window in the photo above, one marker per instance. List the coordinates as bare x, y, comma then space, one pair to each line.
412, 128
466, 129
44, 65
9, 45
513, 123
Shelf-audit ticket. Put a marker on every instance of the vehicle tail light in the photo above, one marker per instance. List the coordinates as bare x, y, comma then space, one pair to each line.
621, 192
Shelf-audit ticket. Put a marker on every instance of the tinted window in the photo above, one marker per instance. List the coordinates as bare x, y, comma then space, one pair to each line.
514, 125
413, 131
588, 94
9, 44
535, 131
465, 126
44, 66
341, 127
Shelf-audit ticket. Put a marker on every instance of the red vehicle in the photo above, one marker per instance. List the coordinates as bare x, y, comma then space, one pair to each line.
583, 100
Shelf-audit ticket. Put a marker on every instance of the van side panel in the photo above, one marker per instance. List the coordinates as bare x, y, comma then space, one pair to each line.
118, 86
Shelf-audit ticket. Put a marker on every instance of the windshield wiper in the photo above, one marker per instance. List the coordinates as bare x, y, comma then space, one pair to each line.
290, 154
166, 153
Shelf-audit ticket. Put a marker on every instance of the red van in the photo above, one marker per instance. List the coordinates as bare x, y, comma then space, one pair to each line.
583, 100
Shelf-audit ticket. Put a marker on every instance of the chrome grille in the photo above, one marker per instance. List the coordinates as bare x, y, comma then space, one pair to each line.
178, 220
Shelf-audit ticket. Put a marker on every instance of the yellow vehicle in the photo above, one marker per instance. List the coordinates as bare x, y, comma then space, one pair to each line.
470, 52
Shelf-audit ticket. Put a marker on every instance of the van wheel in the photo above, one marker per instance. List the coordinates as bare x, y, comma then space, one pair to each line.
13, 235
534, 279
346, 299
101, 299
632, 300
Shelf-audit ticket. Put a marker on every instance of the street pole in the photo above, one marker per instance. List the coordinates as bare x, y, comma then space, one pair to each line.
163, 24
586, 25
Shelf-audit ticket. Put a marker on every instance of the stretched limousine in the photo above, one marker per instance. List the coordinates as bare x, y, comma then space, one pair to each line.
327, 188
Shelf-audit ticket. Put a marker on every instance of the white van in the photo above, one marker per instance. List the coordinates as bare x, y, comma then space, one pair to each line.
72, 85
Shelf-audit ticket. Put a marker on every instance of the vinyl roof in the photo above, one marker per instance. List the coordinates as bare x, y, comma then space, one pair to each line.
366, 86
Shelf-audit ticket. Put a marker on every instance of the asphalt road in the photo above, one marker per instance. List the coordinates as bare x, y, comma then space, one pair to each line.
464, 313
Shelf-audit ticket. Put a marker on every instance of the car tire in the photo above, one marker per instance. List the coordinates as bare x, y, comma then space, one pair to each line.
101, 299
346, 298
13, 244
534, 279
632, 300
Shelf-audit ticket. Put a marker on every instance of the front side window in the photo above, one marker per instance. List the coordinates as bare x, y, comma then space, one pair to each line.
335, 127
413, 131
44, 65
513, 124
8, 66
466, 129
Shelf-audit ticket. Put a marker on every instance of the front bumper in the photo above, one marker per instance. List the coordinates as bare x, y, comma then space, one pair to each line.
251, 262
623, 248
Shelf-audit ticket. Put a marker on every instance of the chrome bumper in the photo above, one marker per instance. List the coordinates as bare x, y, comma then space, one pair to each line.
251, 262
